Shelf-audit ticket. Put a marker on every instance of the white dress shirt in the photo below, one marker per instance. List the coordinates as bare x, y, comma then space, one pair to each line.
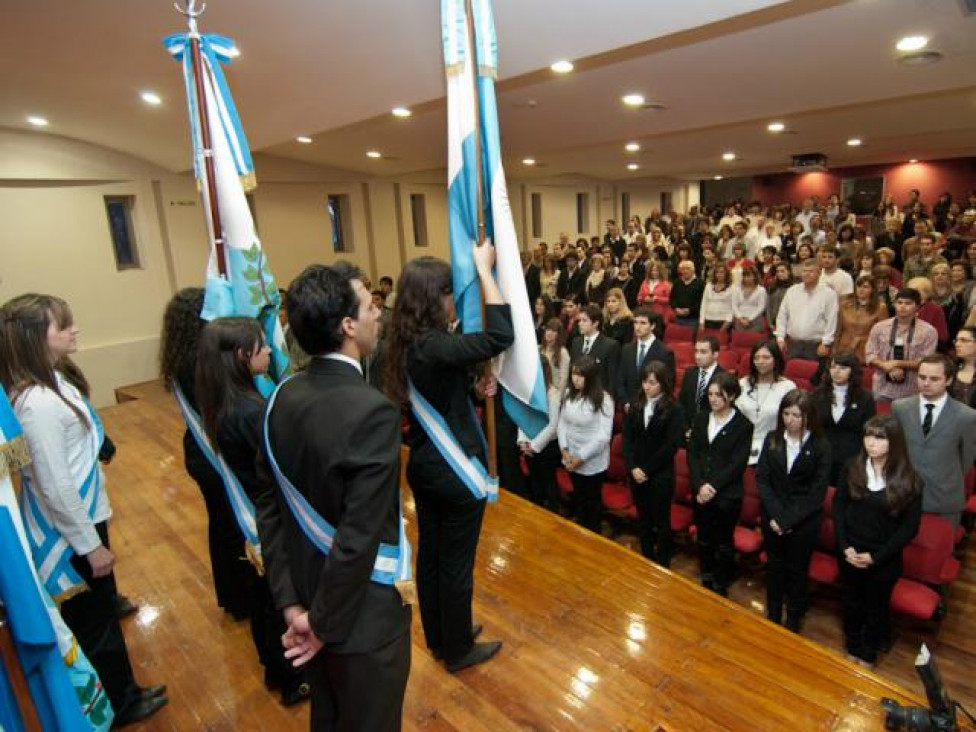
838, 280
335, 356
808, 315
939, 405
586, 433
839, 406
793, 448
876, 481
760, 405
546, 435
646, 345
649, 409
715, 424
63, 450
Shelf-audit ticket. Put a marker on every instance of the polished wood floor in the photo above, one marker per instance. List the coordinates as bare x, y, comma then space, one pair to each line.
596, 638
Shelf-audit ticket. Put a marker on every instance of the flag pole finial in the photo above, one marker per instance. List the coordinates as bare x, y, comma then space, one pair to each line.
191, 12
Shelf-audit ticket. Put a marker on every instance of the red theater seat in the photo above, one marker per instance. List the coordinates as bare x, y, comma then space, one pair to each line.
800, 372
824, 567
564, 482
728, 360
616, 495
682, 515
720, 334
743, 340
679, 334
928, 565
684, 354
748, 539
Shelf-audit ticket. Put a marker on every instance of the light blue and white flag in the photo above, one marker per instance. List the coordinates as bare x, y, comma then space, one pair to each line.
518, 369
249, 289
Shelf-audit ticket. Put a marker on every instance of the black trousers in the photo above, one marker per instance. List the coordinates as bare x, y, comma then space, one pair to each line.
587, 500
542, 477
267, 627
448, 528
91, 617
653, 501
716, 522
228, 563
360, 691
509, 465
867, 611
787, 567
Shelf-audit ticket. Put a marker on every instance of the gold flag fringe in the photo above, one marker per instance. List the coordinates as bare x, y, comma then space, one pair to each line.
13, 455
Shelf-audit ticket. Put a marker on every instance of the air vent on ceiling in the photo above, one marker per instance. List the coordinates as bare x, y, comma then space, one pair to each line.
653, 106
809, 162
920, 58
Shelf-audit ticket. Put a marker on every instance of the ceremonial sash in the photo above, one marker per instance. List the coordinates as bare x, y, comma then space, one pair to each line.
392, 565
468, 468
51, 552
240, 504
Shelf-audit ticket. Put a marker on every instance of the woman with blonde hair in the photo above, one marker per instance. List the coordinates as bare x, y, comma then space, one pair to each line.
598, 281
945, 296
618, 321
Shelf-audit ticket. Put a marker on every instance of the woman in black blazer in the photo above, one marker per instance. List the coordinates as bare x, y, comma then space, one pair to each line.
653, 432
843, 408
442, 365
718, 454
792, 479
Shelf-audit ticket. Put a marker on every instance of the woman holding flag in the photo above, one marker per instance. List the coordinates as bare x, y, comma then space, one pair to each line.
431, 368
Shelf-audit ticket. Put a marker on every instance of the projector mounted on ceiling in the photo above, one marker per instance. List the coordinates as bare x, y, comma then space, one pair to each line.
809, 162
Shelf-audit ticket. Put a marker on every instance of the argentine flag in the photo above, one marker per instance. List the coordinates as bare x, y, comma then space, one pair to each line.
518, 369
249, 289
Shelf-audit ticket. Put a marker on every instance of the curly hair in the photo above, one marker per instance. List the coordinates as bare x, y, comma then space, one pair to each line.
419, 308
182, 326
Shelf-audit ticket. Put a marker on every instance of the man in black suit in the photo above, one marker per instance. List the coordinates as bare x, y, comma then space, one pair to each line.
337, 441
646, 346
614, 240
606, 351
693, 396
533, 286
573, 280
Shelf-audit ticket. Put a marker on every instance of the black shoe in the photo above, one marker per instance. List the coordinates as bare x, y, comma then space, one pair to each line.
151, 692
139, 710
271, 682
475, 632
296, 694
124, 607
479, 653
793, 623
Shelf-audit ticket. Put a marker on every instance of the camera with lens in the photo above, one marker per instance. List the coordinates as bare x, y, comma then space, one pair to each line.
897, 354
941, 714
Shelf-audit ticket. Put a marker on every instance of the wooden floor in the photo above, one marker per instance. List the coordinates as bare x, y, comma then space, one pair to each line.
595, 637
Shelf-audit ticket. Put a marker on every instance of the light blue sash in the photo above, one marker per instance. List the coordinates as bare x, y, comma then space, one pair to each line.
51, 552
239, 502
393, 563
468, 468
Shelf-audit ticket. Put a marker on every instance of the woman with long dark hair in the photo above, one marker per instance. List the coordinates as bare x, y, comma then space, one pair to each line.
718, 453
182, 326
68, 509
426, 355
541, 452
230, 354
843, 408
877, 512
553, 349
762, 391
792, 478
653, 431
585, 429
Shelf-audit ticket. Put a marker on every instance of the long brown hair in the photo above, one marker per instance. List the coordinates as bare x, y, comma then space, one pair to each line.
182, 326
855, 386
902, 483
591, 371
224, 368
662, 374
803, 400
556, 326
25, 357
419, 308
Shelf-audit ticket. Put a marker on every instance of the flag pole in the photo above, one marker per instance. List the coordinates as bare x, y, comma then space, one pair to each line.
206, 144
490, 432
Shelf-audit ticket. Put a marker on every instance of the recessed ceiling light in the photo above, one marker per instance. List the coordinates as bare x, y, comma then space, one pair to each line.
37, 121
632, 147
374, 154
728, 156
633, 100
775, 127
913, 161
716, 177
304, 139
151, 98
854, 142
912, 43
401, 112
234, 52
528, 161
562, 67
632, 166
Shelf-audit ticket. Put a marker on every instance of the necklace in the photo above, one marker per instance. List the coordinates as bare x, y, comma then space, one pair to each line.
761, 402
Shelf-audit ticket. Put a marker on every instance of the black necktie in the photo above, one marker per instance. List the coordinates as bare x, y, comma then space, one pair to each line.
586, 346
927, 422
702, 386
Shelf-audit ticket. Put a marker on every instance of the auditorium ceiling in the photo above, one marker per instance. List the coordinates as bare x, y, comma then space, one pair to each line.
714, 74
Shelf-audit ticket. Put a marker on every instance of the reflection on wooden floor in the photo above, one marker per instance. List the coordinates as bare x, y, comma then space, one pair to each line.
595, 637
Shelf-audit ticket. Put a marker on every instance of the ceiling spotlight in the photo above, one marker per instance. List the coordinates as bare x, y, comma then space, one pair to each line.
716, 177
401, 112
304, 139
913, 161
854, 142
234, 52
528, 161
633, 100
37, 121
775, 127
632, 166
562, 67
151, 98
374, 154
632, 147
728, 156
912, 43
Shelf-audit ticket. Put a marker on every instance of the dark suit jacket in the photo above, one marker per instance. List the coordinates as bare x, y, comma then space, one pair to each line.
792, 497
652, 448
338, 441
533, 285
606, 351
689, 389
628, 372
574, 284
845, 435
722, 462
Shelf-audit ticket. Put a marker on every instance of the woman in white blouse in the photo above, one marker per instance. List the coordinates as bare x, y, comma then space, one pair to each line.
549, 278
585, 428
750, 304
542, 451
66, 507
718, 302
553, 347
762, 391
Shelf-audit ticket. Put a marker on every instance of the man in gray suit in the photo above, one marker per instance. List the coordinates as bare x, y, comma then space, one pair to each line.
941, 437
